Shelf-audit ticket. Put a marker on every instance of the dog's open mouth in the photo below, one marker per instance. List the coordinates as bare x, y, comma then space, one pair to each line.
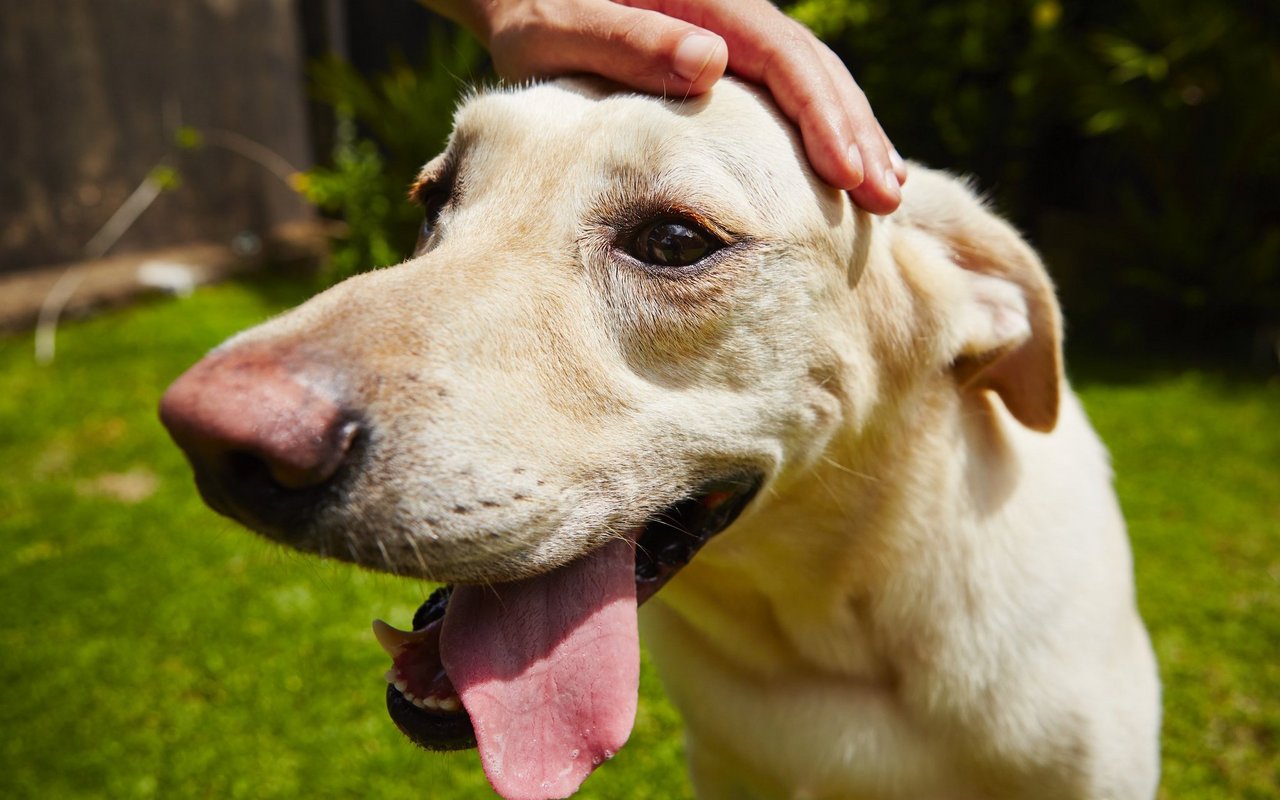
542, 673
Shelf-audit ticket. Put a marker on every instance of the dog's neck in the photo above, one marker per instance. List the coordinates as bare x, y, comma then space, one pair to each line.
813, 576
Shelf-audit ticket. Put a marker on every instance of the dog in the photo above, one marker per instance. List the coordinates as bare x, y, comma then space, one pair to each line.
642, 355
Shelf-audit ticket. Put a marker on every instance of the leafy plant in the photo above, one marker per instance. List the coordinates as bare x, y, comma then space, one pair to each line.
1135, 141
388, 127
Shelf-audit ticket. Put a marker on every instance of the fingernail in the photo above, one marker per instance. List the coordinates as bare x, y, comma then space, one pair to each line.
693, 54
899, 166
891, 183
855, 165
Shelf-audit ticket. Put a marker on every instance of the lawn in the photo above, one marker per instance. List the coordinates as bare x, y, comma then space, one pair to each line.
150, 648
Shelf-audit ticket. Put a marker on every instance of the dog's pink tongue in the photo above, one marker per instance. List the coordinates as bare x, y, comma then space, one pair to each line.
548, 668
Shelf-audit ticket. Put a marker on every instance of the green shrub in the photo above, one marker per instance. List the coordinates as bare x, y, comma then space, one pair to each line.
388, 127
1134, 141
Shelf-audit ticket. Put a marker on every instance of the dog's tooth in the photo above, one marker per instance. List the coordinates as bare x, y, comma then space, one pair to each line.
393, 640
430, 702
408, 696
392, 675
449, 704
400, 685
420, 703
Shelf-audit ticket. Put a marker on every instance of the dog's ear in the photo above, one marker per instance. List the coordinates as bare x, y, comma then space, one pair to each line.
1008, 327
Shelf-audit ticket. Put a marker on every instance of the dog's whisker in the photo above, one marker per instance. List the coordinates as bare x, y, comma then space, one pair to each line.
386, 557
412, 542
826, 487
829, 461
688, 92
674, 523
492, 588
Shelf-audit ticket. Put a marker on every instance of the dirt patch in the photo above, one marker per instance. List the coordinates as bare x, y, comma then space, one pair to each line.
90, 286
130, 487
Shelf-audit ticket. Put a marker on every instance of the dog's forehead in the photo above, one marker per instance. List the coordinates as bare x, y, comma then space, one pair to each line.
730, 138
731, 114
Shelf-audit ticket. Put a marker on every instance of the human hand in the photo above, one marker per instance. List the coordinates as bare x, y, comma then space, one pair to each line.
682, 47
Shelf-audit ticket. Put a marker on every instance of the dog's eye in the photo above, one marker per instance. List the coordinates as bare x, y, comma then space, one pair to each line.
432, 205
673, 243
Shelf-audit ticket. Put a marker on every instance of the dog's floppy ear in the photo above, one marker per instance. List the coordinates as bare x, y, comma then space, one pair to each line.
1009, 328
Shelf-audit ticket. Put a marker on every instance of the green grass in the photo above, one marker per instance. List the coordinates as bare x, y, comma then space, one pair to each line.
1197, 459
149, 648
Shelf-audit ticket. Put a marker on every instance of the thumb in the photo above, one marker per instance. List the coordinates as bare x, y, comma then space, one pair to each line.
641, 49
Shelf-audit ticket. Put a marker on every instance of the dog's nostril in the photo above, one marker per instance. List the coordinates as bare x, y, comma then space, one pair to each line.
253, 428
246, 469
297, 466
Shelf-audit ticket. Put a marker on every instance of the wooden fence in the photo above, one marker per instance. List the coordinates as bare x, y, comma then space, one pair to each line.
95, 93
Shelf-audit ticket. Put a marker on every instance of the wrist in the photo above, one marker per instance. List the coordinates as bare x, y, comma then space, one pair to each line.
471, 14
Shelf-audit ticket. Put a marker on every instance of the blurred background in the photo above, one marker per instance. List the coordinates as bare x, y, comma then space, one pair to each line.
171, 172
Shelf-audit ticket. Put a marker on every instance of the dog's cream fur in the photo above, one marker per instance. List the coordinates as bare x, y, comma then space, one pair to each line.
932, 595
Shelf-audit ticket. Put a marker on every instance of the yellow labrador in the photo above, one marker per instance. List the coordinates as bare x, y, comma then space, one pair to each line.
641, 347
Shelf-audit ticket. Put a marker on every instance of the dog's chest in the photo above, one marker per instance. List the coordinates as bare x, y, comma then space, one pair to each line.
759, 703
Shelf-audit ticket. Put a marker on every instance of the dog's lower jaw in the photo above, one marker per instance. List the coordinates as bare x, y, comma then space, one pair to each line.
421, 700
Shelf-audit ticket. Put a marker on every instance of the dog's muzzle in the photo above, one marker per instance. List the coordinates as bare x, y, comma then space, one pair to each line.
421, 699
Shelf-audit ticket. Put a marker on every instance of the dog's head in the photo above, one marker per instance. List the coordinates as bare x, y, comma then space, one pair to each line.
624, 317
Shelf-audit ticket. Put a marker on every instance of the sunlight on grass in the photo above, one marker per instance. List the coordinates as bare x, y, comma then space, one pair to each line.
151, 649
1198, 466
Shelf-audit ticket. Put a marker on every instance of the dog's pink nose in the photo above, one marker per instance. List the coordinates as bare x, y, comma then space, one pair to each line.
251, 427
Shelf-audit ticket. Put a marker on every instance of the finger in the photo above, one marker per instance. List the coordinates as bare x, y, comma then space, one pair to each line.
858, 133
767, 47
881, 191
899, 163
641, 49
842, 139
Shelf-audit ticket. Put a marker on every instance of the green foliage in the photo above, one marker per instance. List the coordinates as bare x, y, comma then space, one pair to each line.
188, 138
371, 201
165, 177
1135, 142
388, 127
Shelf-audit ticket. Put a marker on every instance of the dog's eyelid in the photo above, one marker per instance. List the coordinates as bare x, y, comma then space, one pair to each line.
685, 213
439, 176
434, 189
433, 198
